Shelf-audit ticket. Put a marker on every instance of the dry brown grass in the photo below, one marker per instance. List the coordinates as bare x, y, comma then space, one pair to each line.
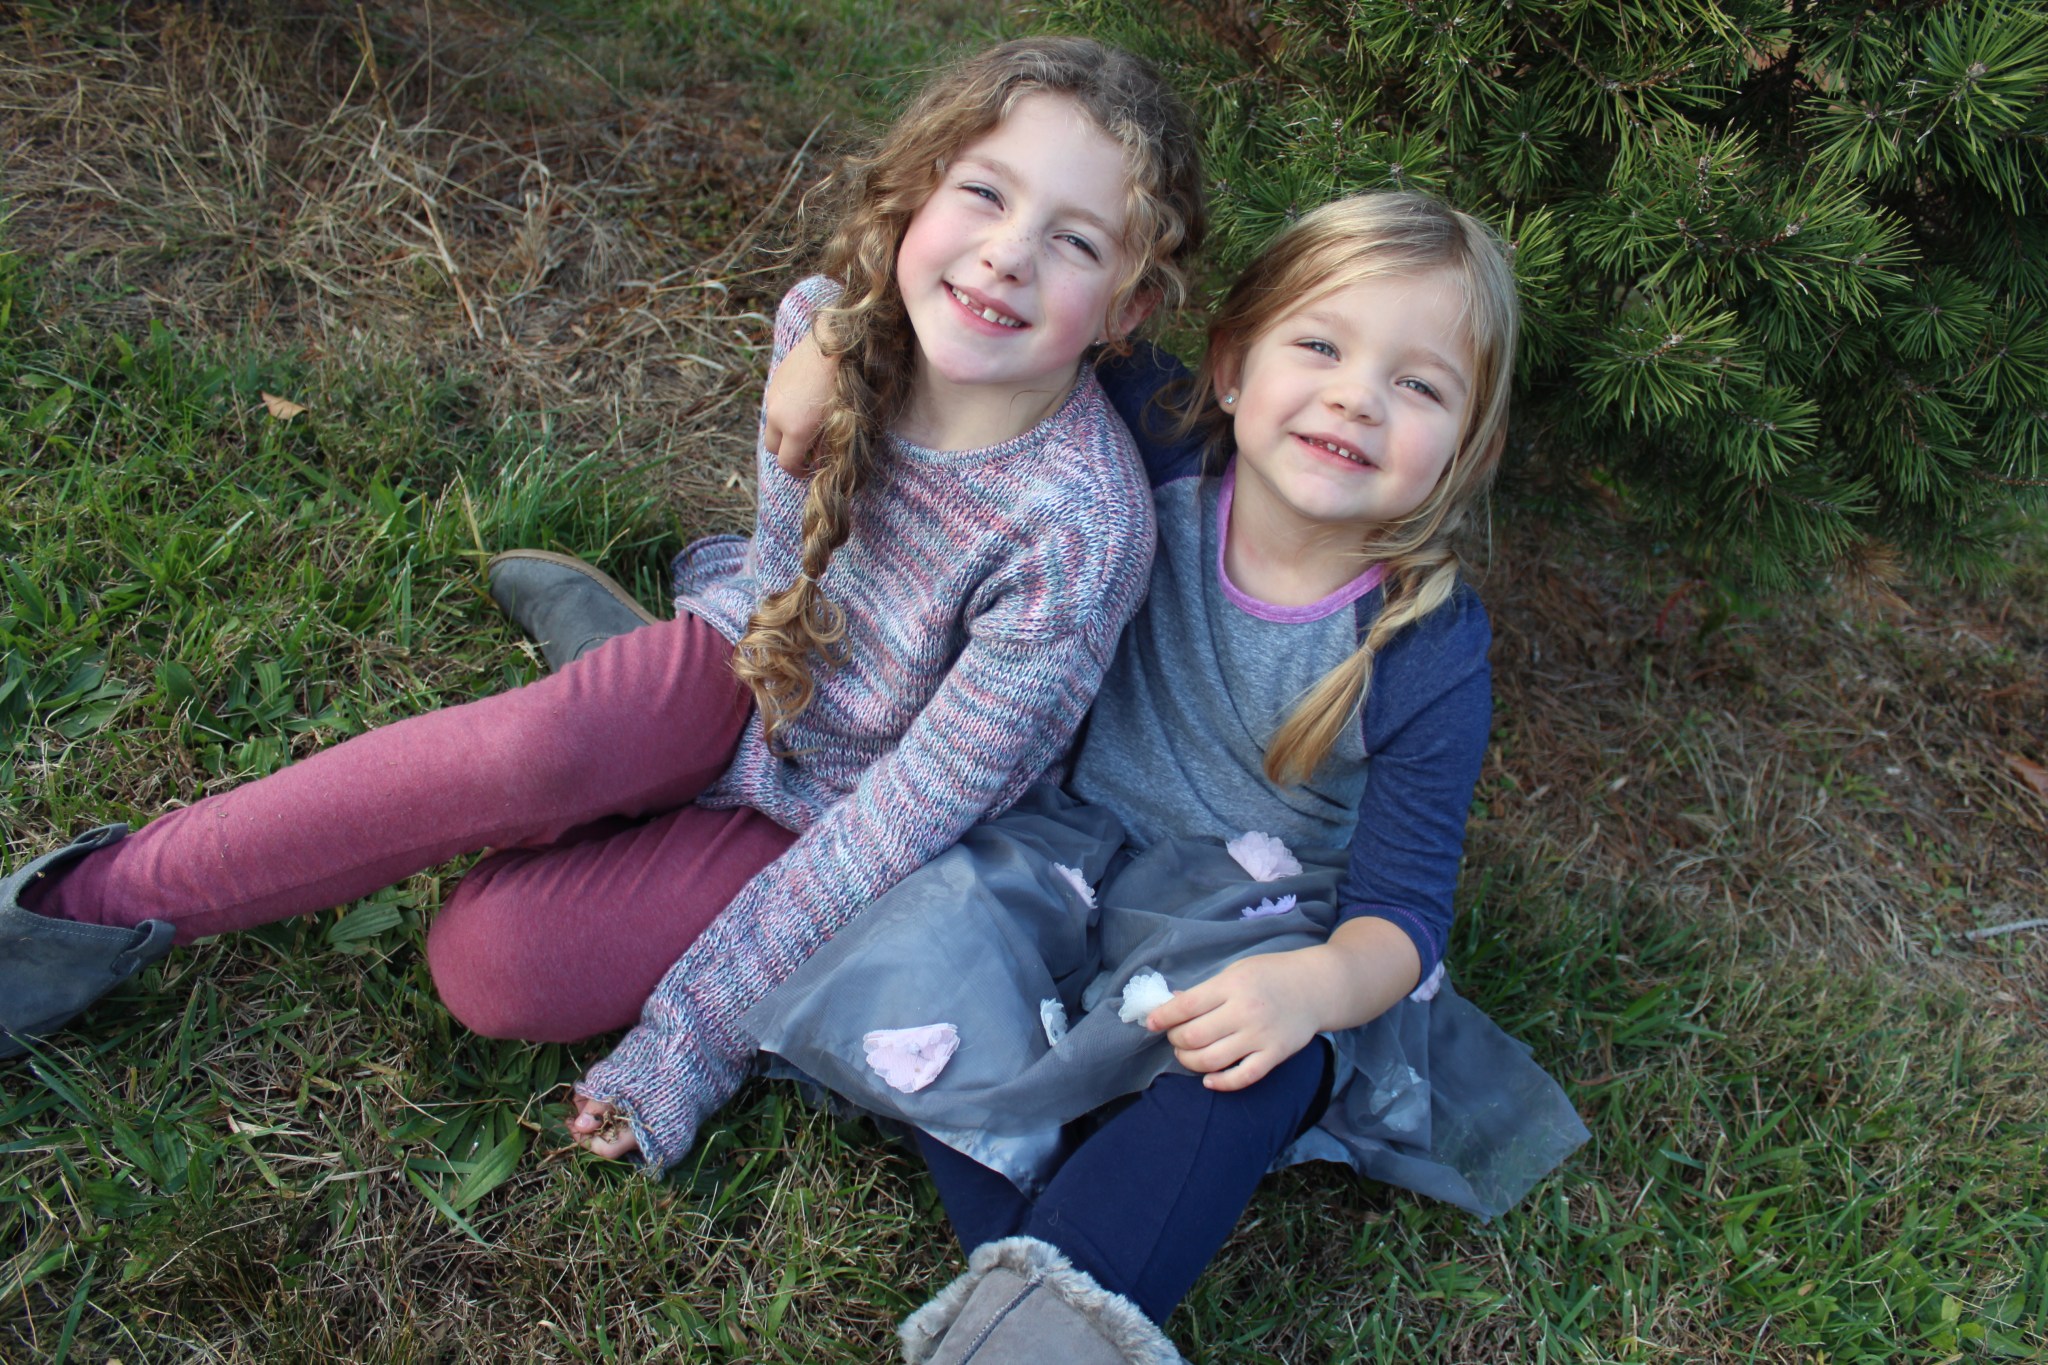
1830, 777
424, 181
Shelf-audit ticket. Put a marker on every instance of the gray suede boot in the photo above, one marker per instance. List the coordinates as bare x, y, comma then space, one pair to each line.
567, 606
1022, 1302
51, 969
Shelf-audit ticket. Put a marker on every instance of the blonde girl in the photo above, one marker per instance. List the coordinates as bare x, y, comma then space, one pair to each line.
1108, 1012
903, 646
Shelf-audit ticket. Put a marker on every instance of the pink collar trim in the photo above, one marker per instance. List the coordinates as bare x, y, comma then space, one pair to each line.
1266, 611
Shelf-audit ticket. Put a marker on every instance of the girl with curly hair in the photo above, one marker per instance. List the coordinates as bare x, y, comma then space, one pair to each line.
903, 646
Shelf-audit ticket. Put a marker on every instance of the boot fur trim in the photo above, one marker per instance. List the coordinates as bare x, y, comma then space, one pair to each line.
1118, 1319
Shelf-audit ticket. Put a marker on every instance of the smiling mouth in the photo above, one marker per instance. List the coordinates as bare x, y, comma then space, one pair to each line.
986, 313
1339, 449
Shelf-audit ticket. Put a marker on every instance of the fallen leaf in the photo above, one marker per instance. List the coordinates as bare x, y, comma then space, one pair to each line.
2031, 773
283, 409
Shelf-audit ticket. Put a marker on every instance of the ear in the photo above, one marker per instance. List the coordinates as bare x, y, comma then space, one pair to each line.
1225, 374
1134, 312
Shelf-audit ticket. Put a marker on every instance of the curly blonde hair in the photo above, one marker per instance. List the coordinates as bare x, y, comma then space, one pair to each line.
869, 329
1341, 244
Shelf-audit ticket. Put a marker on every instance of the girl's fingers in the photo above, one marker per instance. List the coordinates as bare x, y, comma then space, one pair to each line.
597, 1127
793, 451
1225, 1052
612, 1149
1250, 1071
1192, 1003
1200, 1033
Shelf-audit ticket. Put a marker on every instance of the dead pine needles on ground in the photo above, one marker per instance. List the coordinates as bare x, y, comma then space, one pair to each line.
515, 264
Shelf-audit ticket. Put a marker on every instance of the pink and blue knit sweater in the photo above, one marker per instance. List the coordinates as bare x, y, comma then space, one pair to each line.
984, 591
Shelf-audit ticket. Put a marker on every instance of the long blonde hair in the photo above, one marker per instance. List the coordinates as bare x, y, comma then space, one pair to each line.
869, 330
1341, 244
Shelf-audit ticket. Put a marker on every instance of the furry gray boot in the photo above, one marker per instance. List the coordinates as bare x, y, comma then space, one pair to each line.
51, 969
1022, 1302
567, 606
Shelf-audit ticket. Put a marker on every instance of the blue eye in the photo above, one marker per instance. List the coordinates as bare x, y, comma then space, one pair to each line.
983, 192
1083, 243
1321, 348
1424, 389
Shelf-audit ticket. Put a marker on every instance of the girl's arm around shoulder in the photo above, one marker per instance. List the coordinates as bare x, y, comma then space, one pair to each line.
800, 376
798, 313
1426, 723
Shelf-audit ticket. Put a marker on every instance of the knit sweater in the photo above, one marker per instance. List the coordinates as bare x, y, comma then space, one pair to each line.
984, 591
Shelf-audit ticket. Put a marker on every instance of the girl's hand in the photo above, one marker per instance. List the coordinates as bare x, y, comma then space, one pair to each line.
1259, 1011
1242, 1022
601, 1129
793, 408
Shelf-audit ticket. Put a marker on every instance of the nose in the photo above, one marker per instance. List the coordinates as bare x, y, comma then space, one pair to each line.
1353, 396
1009, 255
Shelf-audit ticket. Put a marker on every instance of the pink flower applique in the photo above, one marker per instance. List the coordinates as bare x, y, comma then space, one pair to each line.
1143, 993
1268, 907
1052, 1017
1431, 984
1073, 878
910, 1059
1263, 856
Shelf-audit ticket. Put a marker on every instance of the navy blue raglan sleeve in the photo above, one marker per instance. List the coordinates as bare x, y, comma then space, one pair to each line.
1134, 383
1426, 723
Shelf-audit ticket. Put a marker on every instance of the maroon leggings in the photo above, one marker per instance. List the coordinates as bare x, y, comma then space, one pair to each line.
583, 781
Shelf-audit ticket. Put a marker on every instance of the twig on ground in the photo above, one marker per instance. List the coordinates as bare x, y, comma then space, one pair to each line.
1995, 930
739, 244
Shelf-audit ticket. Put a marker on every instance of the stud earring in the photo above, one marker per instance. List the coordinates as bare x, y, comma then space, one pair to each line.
1228, 399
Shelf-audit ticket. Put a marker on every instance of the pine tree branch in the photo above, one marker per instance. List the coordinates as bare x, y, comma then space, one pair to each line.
1611, 84
1229, 26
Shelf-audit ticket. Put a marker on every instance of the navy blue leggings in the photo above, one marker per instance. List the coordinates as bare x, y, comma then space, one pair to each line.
1151, 1195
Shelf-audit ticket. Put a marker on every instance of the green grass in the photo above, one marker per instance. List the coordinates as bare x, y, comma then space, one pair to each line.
278, 1146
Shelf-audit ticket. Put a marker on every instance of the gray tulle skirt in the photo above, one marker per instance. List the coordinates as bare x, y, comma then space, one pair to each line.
1431, 1096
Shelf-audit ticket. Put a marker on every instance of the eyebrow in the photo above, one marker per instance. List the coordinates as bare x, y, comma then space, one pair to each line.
1081, 211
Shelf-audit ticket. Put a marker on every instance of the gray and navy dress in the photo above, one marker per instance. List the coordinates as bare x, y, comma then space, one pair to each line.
1168, 851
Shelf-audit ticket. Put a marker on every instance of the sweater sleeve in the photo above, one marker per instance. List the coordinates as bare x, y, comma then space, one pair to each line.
1426, 722
1003, 715
798, 311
